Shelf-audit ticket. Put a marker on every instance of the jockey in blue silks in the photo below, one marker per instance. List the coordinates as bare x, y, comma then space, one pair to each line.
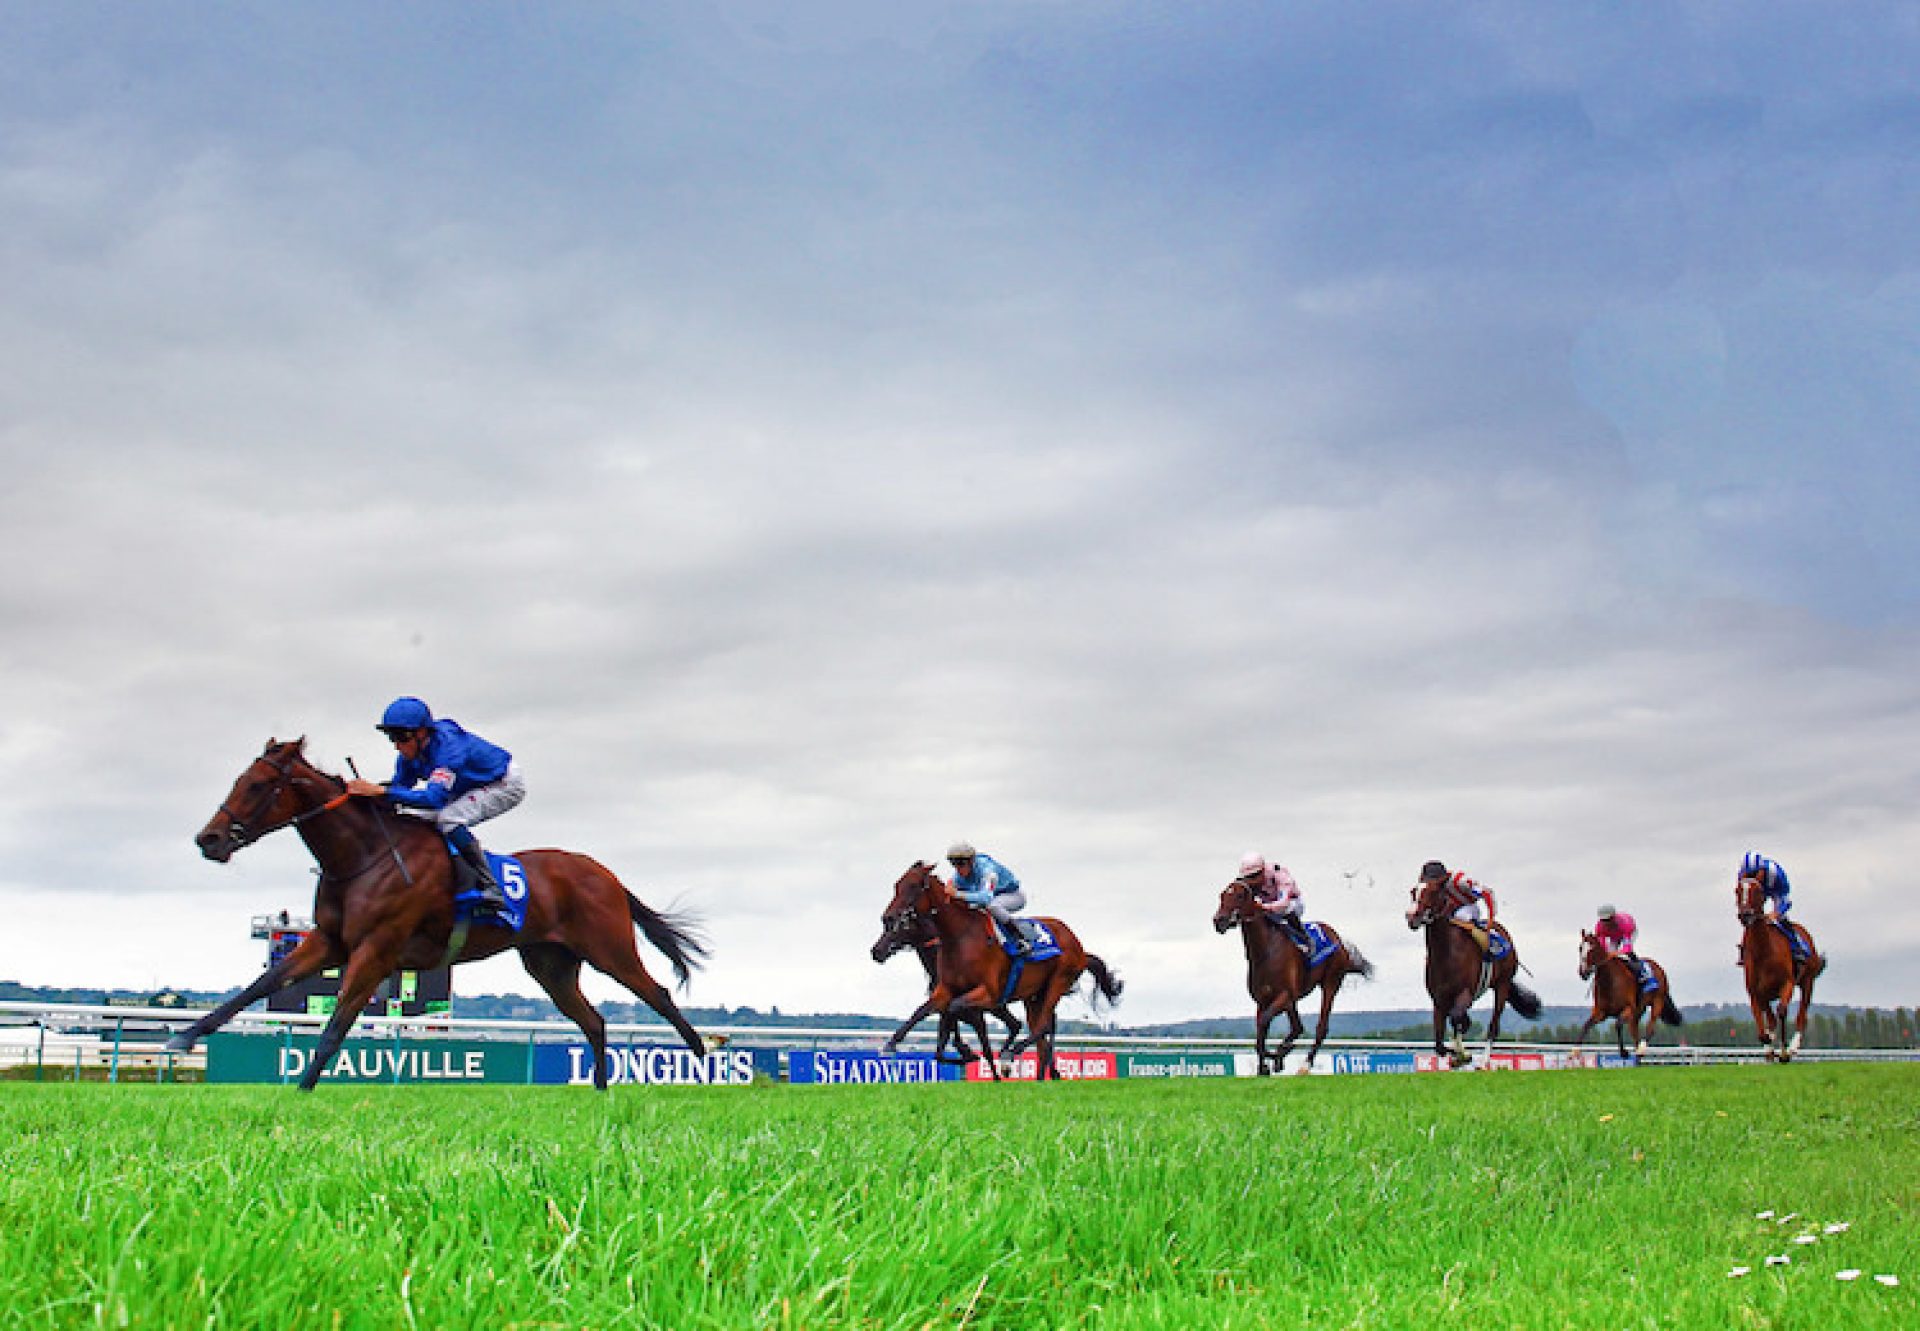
450, 776
986, 884
1773, 883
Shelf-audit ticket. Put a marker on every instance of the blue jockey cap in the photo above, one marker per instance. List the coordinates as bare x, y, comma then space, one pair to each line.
1753, 864
405, 714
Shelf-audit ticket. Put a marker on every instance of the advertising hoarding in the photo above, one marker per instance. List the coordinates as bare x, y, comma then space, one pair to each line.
571, 1064
274, 1058
1176, 1065
829, 1067
1074, 1065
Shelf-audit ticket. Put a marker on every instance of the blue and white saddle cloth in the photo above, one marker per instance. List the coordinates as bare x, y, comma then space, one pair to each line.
512, 877
1043, 946
1324, 946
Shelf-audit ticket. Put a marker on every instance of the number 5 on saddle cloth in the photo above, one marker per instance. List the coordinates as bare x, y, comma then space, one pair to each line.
512, 877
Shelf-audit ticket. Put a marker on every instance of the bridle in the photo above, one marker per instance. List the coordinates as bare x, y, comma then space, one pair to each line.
240, 836
1588, 966
903, 924
1435, 896
1245, 908
1748, 900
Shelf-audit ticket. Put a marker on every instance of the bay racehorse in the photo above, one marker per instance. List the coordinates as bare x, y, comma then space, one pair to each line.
1278, 976
385, 901
926, 945
972, 967
1458, 971
1772, 971
1617, 994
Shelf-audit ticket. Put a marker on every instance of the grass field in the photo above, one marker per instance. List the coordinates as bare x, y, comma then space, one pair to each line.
1605, 1199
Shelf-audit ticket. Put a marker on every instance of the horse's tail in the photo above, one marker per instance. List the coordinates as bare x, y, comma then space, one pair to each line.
1668, 1012
1107, 985
677, 934
1524, 1000
1356, 963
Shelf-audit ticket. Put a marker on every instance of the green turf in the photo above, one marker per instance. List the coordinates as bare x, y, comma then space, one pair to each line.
1603, 1199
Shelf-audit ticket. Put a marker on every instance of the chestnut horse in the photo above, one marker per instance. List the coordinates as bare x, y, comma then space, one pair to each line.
1617, 994
1458, 972
385, 901
926, 946
1278, 977
1773, 973
970, 973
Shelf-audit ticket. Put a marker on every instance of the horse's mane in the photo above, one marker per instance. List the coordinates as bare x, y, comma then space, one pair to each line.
382, 812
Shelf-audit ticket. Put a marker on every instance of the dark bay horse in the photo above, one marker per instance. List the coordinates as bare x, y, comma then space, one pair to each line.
926, 945
1458, 972
1617, 994
385, 901
1278, 977
1772, 972
972, 967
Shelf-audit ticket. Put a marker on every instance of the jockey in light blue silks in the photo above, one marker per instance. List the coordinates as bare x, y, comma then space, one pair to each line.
1773, 882
986, 884
451, 777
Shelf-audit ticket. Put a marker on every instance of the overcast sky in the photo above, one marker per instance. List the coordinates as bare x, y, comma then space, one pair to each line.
1125, 436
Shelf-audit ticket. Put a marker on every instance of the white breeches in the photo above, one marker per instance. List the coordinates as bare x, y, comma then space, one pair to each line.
1005, 906
483, 802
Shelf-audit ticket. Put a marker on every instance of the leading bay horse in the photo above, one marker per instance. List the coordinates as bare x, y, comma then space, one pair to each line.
926, 945
1458, 972
385, 901
1773, 972
1617, 994
1278, 976
972, 968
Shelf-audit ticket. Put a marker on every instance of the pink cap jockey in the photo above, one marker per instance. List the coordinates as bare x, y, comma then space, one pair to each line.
1615, 930
1272, 884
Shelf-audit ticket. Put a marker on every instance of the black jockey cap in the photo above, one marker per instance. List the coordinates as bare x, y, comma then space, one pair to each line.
1432, 871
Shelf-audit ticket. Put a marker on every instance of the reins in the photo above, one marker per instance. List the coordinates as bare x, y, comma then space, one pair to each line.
242, 836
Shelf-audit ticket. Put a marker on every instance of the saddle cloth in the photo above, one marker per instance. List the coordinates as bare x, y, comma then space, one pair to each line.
1039, 938
512, 877
1323, 945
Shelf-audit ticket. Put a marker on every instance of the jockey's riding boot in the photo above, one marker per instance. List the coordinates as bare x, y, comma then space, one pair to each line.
1021, 947
492, 900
